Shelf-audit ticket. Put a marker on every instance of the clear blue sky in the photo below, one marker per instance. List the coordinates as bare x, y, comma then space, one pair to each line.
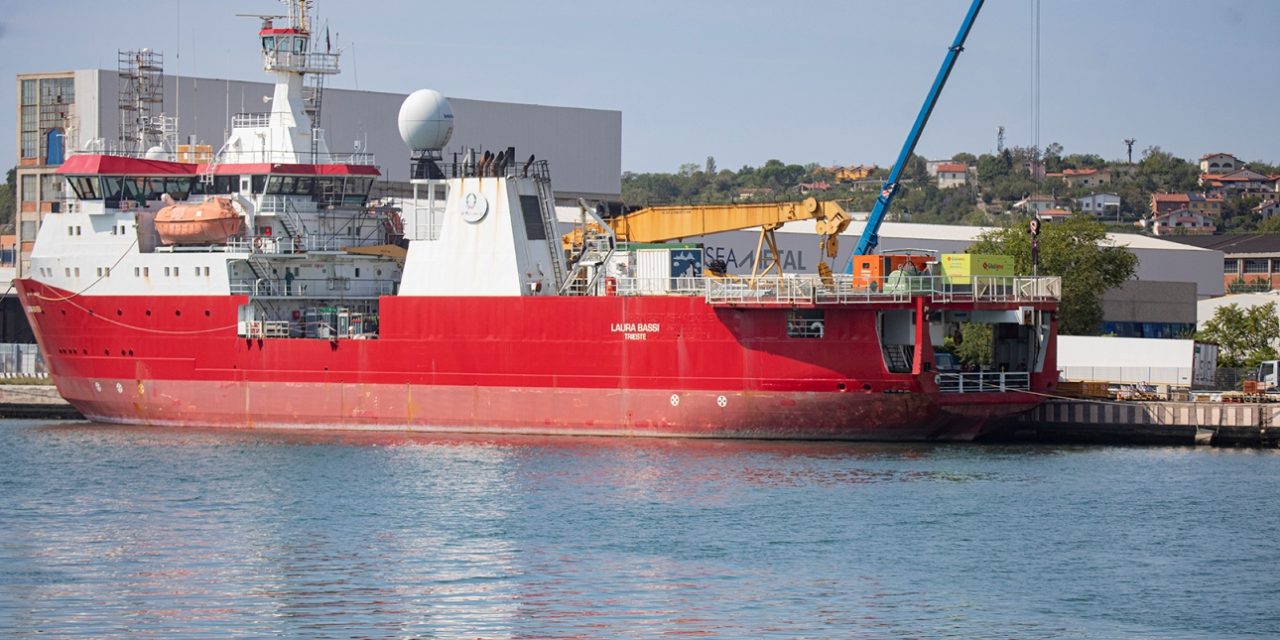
815, 81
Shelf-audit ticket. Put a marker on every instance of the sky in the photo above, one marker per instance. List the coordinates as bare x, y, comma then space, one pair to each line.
826, 81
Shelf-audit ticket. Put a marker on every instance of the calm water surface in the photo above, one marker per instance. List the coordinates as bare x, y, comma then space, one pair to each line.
111, 532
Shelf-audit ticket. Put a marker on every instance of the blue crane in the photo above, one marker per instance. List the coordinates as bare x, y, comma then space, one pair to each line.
871, 234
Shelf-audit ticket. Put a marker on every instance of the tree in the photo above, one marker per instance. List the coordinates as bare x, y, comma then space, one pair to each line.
8, 198
964, 157
1245, 336
1080, 252
710, 167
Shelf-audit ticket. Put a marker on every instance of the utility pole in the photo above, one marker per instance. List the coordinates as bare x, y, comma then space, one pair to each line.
1129, 143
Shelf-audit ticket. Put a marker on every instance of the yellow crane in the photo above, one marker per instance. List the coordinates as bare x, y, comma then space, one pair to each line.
668, 223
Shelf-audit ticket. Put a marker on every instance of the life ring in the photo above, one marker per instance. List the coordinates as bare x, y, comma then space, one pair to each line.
257, 243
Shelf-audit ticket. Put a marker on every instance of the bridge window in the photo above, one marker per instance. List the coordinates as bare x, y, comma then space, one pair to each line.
268, 43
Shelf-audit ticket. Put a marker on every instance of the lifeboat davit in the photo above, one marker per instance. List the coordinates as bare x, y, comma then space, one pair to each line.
209, 222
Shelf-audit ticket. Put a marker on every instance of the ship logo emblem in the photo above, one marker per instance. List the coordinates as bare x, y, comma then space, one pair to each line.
675, 400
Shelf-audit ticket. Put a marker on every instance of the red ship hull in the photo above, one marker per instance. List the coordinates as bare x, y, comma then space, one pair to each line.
626, 366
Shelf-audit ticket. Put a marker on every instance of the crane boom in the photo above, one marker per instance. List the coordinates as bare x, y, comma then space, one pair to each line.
870, 237
662, 224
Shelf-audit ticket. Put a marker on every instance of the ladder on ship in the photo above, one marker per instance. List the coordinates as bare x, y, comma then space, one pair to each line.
292, 223
261, 269
898, 358
547, 207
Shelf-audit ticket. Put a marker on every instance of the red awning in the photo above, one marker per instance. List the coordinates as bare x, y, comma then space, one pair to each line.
295, 169
99, 165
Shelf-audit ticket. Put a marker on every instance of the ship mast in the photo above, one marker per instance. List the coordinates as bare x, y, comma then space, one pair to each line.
290, 132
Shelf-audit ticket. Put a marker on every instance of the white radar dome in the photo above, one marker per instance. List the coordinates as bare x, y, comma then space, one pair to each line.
426, 120
156, 153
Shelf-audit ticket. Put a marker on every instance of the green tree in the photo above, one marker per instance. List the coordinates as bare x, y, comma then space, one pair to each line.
1080, 252
964, 157
8, 199
1245, 336
976, 345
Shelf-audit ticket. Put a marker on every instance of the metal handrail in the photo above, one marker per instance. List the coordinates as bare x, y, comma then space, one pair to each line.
846, 289
312, 287
983, 381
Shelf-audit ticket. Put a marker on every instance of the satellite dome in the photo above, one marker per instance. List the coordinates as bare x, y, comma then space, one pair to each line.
426, 120
156, 153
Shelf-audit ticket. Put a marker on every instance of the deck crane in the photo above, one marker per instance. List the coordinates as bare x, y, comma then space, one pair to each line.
870, 237
667, 223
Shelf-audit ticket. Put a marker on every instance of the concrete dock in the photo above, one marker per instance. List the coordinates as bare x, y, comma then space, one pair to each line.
34, 401
1179, 423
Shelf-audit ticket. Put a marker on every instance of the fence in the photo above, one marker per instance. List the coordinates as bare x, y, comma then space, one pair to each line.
21, 361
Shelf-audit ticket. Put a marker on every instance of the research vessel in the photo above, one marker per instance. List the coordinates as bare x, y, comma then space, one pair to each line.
261, 288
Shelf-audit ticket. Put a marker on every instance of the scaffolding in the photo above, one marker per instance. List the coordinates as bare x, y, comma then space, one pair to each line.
141, 100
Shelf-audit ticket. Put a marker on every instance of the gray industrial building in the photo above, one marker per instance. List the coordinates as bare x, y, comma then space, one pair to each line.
61, 112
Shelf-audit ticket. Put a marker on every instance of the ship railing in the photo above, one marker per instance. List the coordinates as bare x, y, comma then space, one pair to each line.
427, 169
283, 244
312, 287
310, 62
251, 120
983, 381
848, 289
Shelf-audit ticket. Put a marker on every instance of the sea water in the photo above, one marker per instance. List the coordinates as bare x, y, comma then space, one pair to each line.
133, 532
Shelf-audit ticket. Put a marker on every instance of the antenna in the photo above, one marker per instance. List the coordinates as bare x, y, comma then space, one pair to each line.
1128, 142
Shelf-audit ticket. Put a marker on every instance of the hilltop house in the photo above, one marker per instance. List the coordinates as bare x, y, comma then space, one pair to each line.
952, 174
1076, 178
1051, 216
1179, 221
1220, 163
1266, 209
1035, 203
1099, 204
1238, 182
1210, 205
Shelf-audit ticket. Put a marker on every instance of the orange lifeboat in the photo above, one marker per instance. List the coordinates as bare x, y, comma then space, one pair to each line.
210, 222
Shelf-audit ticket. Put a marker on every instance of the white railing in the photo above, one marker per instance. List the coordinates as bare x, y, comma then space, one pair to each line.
846, 289
984, 382
312, 287
250, 120
301, 62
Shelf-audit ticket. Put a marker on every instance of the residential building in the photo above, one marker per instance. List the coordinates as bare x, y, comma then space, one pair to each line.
811, 187
1208, 205
1083, 178
853, 173
952, 174
1036, 203
1099, 204
1052, 216
1239, 182
1265, 209
1179, 222
1219, 163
